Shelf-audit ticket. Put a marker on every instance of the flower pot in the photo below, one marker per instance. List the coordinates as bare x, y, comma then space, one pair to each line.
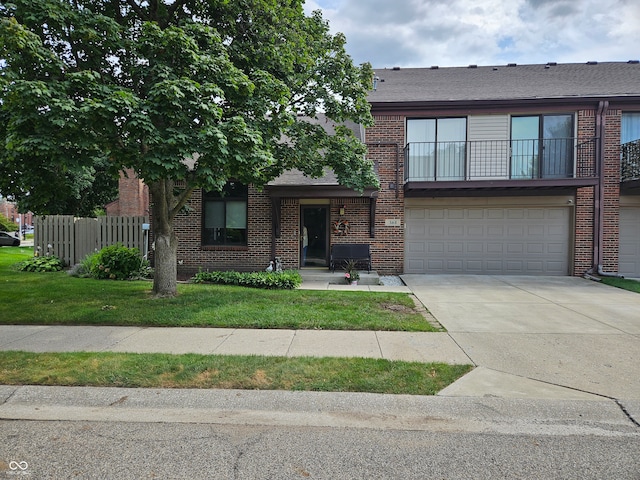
355, 282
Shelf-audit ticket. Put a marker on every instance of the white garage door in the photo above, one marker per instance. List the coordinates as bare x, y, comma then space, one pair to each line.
629, 256
488, 240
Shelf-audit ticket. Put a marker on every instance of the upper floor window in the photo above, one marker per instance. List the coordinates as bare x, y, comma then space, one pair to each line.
630, 127
436, 148
542, 146
225, 215
630, 150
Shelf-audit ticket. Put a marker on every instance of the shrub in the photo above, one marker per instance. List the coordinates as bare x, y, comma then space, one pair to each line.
86, 265
41, 264
7, 225
287, 280
116, 262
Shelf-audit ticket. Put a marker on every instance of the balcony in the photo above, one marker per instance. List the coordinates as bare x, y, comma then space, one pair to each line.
560, 163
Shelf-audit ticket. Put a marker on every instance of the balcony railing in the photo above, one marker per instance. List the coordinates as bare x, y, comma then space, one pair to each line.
630, 161
530, 159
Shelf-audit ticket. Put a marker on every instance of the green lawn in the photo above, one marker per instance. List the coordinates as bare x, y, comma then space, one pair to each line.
57, 298
216, 371
626, 284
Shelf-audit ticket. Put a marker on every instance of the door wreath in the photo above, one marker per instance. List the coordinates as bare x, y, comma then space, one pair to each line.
341, 227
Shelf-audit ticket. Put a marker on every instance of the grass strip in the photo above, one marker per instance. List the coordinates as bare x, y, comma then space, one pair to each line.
624, 283
229, 372
55, 298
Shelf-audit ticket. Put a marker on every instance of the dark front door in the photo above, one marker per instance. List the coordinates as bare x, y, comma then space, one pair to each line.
314, 238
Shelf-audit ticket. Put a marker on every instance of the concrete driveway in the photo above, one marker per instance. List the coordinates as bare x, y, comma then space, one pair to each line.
539, 336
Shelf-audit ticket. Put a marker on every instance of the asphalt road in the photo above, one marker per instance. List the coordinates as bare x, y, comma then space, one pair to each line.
129, 450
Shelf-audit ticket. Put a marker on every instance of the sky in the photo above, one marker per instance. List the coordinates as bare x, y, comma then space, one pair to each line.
451, 33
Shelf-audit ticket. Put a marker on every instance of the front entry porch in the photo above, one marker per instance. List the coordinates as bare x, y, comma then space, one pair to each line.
324, 276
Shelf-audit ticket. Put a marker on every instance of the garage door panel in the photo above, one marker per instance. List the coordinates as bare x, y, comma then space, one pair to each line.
555, 248
435, 247
535, 230
515, 248
629, 252
495, 248
475, 231
511, 240
495, 213
496, 230
455, 247
434, 265
536, 214
537, 248
515, 230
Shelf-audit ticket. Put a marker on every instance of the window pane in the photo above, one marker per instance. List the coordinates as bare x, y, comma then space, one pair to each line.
235, 190
630, 127
236, 214
452, 129
525, 136
557, 126
557, 159
213, 214
451, 135
421, 130
421, 137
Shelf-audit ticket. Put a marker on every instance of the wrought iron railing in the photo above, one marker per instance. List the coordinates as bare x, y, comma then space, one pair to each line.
529, 159
630, 161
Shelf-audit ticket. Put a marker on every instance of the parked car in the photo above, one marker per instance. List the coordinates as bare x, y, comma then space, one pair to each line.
8, 240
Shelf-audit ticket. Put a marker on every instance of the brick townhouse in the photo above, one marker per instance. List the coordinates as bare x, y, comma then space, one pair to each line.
510, 169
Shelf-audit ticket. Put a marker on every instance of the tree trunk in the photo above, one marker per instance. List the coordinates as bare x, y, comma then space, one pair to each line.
166, 242
166, 272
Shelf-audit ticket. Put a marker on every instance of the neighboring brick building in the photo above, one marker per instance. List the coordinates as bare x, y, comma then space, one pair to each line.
483, 170
133, 197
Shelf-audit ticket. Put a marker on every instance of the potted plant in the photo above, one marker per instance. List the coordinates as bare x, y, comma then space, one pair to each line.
351, 273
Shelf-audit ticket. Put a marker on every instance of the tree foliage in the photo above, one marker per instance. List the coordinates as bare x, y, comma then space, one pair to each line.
92, 86
6, 225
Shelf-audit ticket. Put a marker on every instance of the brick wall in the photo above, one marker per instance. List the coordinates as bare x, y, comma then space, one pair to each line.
385, 141
193, 256
611, 200
133, 197
288, 245
583, 237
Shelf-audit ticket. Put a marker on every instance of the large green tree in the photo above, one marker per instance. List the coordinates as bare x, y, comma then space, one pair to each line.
188, 93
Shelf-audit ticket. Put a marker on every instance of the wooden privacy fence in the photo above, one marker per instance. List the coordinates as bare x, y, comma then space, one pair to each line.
71, 238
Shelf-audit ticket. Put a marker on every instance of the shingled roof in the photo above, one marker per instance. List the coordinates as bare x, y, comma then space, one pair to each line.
507, 82
295, 177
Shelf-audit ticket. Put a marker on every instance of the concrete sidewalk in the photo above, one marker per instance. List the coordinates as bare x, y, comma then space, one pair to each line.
408, 346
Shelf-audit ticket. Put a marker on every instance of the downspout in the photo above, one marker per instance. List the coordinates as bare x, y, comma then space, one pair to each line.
598, 197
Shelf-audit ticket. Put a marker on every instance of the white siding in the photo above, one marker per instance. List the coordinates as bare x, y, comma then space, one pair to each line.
488, 156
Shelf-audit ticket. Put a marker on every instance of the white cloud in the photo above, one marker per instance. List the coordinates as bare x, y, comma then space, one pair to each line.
421, 33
